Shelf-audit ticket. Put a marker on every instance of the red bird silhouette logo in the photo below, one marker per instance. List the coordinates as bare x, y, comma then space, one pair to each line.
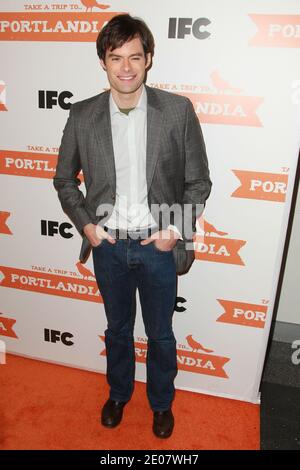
90, 4
85, 272
209, 229
196, 347
3, 227
222, 85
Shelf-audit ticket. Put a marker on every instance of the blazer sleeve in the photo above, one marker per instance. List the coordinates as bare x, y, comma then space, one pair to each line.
66, 181
197, 183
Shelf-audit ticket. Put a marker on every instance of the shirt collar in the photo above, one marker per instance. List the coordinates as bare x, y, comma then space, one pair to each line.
142, 103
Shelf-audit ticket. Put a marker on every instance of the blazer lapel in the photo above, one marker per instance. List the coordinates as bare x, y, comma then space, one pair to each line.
154, 127
102, 127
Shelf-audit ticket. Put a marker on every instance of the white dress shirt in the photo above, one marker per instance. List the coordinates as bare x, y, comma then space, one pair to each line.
129, 135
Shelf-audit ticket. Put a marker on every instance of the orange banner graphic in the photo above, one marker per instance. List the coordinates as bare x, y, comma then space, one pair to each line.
2, 96
32, 164
189, 361
217, 249
276, 30
261, 185
51, 284
6, 327
4, 228
62, 26
241, 313
39, 165
237, 110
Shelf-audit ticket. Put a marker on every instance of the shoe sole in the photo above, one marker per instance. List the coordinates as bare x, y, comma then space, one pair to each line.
163, 436
110, 425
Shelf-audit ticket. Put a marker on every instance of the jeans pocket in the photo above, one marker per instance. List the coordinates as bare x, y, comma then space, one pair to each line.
100, 244
158, 250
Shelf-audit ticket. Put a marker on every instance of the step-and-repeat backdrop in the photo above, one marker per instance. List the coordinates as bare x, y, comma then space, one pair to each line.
238, 62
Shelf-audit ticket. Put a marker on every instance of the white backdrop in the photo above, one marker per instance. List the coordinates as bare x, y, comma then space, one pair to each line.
239, 64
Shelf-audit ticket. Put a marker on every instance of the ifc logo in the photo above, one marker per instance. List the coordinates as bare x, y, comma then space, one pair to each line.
181, 27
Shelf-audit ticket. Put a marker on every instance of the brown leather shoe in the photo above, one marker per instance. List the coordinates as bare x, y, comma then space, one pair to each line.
163, 423
112, 413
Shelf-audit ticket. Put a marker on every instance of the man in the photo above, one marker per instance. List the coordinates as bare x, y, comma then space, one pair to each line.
140, 150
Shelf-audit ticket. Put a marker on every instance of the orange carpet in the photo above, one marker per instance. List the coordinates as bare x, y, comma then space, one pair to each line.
46, 406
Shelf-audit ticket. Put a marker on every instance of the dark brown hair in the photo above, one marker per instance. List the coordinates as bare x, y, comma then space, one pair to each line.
123, 28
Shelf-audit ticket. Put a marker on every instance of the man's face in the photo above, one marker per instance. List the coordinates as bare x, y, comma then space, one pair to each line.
126, 66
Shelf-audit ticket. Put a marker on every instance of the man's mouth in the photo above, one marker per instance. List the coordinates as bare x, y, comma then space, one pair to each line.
126, 78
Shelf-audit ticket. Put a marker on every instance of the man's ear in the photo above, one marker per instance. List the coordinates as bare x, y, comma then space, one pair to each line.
148, 60
103, 64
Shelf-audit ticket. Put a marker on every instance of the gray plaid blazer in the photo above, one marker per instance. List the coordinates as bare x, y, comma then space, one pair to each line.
176, 165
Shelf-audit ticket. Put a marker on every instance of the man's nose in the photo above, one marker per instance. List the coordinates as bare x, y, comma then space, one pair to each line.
126, 64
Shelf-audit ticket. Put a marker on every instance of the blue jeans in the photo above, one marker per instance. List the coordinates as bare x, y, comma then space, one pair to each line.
120, 269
